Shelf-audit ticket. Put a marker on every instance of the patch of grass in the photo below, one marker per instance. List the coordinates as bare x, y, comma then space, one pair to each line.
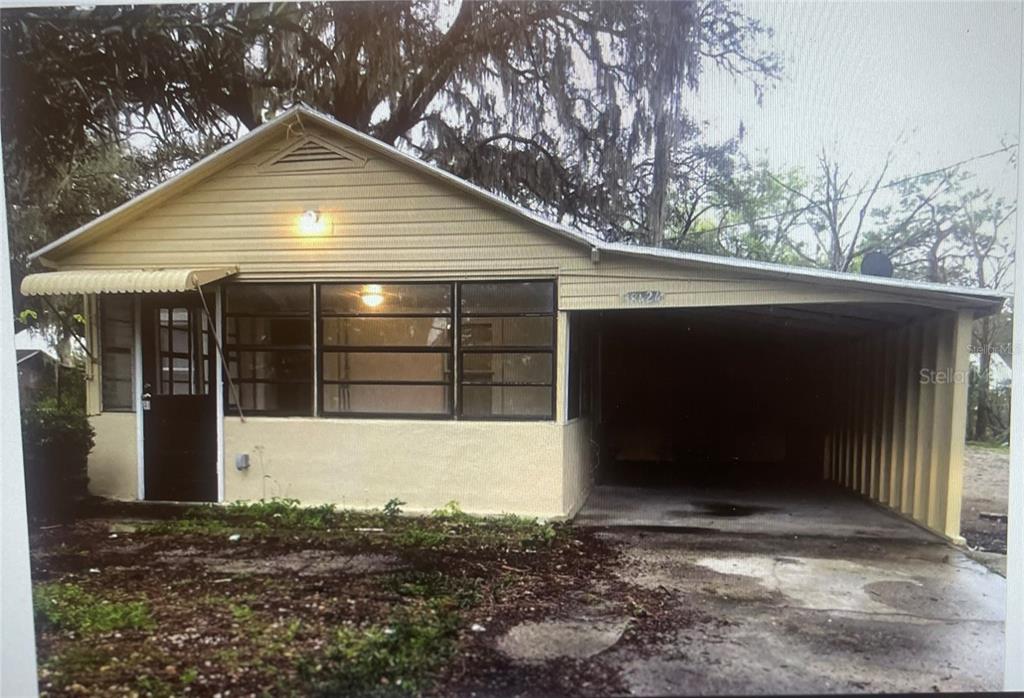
150, 685
463, 592
76, 661
283, 513
448, 526
529, 531
277, 514
990, 446
189, 524
70, 607
421, 538
240, 612
396, 657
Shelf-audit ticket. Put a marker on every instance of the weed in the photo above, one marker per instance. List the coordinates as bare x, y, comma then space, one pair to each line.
421, 538
154, 686
392, 658
393, 507
70, 607
240, 612
463, 592
264, 514
451, 513
283, 513
528, 531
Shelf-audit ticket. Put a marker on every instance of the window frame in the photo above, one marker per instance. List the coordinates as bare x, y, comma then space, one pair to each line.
234, 348
551, 350
455, 350
323, 348
101, 312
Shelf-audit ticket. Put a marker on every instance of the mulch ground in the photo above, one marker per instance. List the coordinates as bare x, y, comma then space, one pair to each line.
236, 614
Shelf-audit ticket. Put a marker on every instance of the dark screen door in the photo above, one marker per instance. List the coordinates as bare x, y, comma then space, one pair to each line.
179, 403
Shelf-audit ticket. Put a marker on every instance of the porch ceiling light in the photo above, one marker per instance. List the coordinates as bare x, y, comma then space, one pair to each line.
372, 295
312, 222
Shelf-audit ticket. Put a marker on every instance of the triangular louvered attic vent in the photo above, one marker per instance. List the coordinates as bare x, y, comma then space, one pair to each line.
312, 154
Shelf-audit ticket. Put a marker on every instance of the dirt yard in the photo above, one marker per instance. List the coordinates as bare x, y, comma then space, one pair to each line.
986, 483
271, 599
276, 600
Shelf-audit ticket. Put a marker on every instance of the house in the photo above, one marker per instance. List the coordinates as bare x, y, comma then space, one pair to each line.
309, 313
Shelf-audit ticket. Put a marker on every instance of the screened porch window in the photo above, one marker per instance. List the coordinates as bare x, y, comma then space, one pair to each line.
117, 337
507, 333
386, 349
269, 346
470, 350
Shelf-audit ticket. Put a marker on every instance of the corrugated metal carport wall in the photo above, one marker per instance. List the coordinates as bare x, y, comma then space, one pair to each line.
900, 417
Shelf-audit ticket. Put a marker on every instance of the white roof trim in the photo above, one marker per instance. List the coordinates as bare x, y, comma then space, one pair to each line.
806, 273
975, 295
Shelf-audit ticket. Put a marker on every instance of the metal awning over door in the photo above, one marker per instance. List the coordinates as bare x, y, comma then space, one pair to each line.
89, 281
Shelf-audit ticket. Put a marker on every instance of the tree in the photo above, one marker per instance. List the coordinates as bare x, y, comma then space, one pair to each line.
985, 259
575, 108
943, 230
748, 212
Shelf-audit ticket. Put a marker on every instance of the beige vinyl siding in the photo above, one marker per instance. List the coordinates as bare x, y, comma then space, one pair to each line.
391, 222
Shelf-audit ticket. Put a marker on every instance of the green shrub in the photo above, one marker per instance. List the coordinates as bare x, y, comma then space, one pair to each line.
70, 607
56, 442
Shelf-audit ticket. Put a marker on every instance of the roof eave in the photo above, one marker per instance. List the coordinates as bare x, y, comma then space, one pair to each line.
986, 300
202, 168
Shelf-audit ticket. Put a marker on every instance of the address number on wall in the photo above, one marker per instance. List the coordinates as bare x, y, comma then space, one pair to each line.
643, 297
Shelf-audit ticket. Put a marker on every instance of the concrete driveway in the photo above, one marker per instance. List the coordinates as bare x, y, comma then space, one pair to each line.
801, 593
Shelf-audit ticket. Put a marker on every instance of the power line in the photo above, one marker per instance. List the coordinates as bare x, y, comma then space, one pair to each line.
887, 185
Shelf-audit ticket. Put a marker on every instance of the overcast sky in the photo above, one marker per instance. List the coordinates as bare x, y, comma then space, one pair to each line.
943, 79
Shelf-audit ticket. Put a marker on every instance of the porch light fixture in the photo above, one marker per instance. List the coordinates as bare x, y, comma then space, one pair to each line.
311, 222
372, 295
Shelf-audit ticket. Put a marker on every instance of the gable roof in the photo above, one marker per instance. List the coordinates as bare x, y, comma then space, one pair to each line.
982, 298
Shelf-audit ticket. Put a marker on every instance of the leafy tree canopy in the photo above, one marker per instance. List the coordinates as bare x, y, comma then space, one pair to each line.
576, 108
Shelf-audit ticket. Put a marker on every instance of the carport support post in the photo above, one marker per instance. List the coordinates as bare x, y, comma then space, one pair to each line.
942, 423
925, 423
913, 399
962, 326
898, 415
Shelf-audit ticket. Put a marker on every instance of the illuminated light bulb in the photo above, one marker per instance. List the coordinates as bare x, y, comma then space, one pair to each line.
310, 223
372, 295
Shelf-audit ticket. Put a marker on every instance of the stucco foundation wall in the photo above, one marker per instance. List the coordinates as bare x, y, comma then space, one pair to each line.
113, 463
578, 465
486, 467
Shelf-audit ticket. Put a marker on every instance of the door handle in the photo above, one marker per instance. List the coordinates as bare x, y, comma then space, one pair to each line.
146, 400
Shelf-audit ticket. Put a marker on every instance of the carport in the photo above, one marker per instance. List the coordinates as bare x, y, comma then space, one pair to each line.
807, 403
